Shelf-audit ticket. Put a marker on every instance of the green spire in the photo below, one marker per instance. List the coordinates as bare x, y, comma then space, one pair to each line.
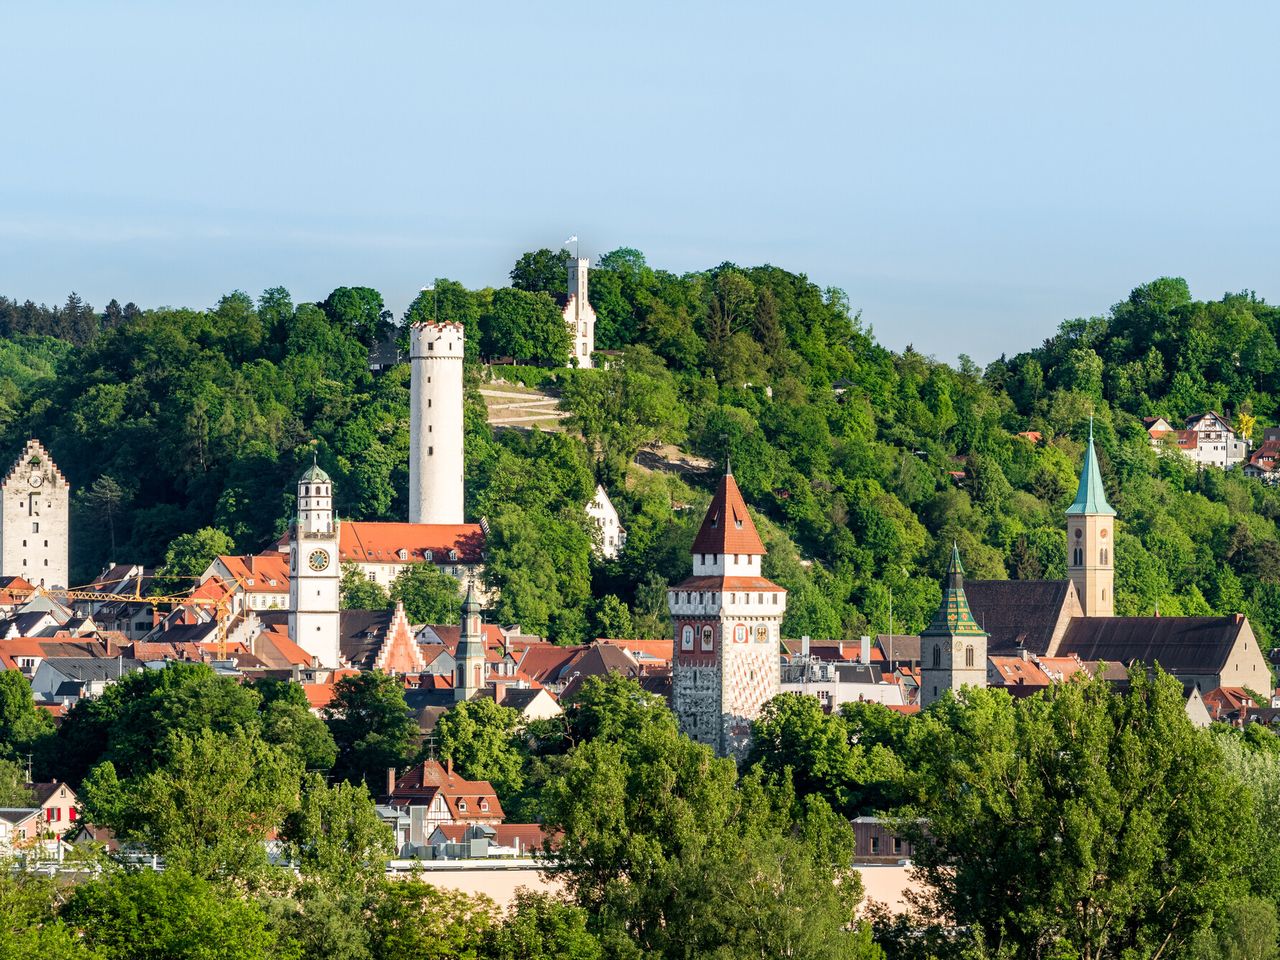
1091, 498
954, 618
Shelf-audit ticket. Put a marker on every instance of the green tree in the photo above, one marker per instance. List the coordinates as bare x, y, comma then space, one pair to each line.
359, 311
189, 555
544, 270
541, 927
481, 738
414, 921
429, 595
336, 834
370, 723
652, 821
208, 809
358, 592
169, 915
14, 791
32, 929
23, 725
613, 618
1082, 820
1248, 930
526, 326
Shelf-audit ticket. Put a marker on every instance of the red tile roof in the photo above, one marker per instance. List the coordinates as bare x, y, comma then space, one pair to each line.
728, 583
265, 573
727, 527
375, 542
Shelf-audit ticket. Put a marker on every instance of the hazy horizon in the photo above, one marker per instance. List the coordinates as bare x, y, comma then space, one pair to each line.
970, 177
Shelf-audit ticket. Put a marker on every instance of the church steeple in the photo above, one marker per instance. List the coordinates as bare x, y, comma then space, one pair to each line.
953, 648
1091, 497
468, 676
1090, 529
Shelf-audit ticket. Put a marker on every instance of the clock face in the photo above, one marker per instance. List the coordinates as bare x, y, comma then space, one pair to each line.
318, 560
35, 479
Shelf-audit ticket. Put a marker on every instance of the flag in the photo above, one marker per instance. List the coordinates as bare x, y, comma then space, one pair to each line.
572, 240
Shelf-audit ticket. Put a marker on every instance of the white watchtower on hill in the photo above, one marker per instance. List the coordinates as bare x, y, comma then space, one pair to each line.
435, 423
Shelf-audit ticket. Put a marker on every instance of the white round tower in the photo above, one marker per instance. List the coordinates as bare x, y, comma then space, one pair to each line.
435, 423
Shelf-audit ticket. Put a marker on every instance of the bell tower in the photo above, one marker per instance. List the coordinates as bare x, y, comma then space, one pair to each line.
313, 570
468, 677
953, 648
1091, 525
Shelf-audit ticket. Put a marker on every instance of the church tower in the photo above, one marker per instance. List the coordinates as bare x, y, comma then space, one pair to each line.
953, 648
1091, 525
435, 423
469, 674
579, 316
313, 570
727, 620
35, 519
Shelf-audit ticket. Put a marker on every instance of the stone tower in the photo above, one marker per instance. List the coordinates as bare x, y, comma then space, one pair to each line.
469, 674
579, 316
435, 423
1090, 537
313, 570
35, 519
953, 648
727, 620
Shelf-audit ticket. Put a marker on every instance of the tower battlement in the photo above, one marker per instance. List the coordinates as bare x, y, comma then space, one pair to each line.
437, 340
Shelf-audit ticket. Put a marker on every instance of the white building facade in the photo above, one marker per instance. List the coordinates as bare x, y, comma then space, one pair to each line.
314, 576
436, 423
35, 519
604, 515
579, 316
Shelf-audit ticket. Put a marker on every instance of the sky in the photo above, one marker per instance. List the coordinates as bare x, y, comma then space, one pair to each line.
971, 174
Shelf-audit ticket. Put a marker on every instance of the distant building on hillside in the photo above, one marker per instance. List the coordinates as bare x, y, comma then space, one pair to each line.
579, 316
605, 516
1207, 440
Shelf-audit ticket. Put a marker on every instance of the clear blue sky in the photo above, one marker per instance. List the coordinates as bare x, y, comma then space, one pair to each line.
970, 173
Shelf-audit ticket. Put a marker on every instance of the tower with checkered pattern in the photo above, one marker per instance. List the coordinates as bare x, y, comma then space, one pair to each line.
953, 648
727, 620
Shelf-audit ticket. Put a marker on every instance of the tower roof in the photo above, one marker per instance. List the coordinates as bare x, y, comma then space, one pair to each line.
953, 618
1091, 498
471, 604
727, 527
314, 475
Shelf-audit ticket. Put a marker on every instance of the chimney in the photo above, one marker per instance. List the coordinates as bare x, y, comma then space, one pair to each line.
1239, 618
391, 780
864, 649
804, 645
839, 649
448, 766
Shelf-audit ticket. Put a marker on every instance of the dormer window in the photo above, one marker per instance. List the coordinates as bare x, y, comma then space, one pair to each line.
402, 553
484, 804
462, 806
453, 555
427, 555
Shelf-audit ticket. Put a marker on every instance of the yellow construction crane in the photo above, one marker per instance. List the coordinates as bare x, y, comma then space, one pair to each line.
221, 606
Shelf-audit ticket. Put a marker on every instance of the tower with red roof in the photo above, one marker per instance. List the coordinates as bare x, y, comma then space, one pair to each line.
727, 619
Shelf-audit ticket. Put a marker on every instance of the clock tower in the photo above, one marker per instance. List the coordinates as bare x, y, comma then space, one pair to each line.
35, 519
313, 570
953, 648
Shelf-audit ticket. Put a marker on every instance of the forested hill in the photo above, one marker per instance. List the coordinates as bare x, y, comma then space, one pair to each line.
864, 464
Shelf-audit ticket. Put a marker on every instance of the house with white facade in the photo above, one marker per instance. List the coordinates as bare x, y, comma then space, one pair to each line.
604, 515
1208, 440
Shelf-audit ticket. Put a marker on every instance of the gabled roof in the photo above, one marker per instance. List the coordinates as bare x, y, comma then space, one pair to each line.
264, 573
1015, 671
360, 634
1189, 645
1019, 613
1091, 498
362, 541
727, 527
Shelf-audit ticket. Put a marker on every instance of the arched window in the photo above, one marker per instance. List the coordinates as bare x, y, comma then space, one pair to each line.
937, 655
1103, 556
968, 656
686, 637
1077, 556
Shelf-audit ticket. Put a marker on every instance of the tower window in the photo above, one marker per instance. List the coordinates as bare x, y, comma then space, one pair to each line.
428, 401
35, 526
968, 656
431, 451
937, 658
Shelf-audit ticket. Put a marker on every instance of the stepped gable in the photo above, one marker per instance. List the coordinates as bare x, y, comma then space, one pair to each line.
727, 527
34, 448
399, 651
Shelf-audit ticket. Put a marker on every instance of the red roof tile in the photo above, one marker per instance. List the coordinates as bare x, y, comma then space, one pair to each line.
727, 527
374, 542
